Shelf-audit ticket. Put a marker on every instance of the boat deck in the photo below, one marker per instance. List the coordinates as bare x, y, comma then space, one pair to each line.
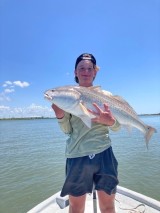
126, 201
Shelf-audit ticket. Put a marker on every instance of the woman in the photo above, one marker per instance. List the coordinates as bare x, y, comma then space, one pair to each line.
90, 159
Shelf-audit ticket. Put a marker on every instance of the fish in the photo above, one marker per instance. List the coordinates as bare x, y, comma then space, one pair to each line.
79, 100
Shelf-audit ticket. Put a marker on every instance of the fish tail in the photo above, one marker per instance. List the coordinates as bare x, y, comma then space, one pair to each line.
149, 133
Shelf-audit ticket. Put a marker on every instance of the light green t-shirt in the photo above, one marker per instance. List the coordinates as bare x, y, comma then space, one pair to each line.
82, 140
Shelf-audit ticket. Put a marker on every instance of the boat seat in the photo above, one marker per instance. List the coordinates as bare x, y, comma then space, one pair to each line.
62, 201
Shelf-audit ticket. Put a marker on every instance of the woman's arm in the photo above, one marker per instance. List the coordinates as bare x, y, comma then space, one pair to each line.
63, 119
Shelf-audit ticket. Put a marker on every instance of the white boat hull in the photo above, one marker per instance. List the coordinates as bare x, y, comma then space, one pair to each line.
126, 201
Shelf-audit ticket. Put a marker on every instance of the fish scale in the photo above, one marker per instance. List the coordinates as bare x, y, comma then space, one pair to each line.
100, 98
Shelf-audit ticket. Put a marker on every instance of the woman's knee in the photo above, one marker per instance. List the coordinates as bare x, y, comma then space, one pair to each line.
106, 202
77, 204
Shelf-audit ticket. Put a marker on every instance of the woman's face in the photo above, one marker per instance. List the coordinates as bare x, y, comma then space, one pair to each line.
85, 72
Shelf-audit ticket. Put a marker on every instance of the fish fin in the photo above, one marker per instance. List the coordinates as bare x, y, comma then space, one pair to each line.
149, 133
85, 110
86, 116
107, 93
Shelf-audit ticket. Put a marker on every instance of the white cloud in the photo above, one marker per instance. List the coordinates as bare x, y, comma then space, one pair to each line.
4, 111
9, 90
4, 108
4, 85
10, 84
4, 97
7, 83
21, 84
33, 110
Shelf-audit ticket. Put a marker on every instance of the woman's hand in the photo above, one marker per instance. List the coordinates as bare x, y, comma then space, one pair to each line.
58, 112
103, 116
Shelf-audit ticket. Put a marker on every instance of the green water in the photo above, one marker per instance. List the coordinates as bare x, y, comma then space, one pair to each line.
32, 161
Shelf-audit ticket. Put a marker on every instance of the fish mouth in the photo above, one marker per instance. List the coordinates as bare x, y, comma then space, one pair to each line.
47, 96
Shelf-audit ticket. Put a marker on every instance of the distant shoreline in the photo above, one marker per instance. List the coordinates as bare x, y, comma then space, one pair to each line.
149, 114
28, 118
34, 118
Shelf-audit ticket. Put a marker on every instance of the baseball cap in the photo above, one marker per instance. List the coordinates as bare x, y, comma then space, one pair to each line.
85, 56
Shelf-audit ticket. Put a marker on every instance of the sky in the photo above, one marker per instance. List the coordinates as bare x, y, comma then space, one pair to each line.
40, 41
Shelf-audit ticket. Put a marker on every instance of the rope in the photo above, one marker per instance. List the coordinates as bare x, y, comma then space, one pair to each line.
133, 210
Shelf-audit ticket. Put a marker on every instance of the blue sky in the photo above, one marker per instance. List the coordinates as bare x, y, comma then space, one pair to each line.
40, 41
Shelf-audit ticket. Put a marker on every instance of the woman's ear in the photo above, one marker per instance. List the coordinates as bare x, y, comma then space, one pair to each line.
95, 73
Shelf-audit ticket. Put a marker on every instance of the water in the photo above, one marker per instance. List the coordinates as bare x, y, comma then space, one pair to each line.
32, 161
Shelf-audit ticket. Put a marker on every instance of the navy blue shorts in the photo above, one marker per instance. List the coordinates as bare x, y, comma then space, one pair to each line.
84, 172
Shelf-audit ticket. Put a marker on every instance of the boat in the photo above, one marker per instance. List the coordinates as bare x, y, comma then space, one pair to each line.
126, 201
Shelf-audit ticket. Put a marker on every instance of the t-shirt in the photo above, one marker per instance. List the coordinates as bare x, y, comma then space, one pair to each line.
83, 141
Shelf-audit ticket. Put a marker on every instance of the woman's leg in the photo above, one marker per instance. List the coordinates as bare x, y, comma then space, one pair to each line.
106, 202
77, 204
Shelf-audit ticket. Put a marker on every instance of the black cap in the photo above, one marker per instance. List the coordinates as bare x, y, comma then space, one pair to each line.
85, 56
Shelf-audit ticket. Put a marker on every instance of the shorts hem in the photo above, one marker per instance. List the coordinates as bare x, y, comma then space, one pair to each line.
107, 191
75, 195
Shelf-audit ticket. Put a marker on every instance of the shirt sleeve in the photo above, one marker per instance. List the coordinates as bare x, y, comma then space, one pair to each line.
116, 126
65, 124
